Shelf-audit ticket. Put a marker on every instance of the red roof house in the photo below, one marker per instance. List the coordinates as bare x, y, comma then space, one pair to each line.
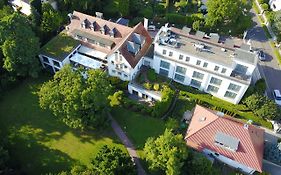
233, 142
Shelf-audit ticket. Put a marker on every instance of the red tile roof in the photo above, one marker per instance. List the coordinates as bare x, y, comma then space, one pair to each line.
124, 34
205, 124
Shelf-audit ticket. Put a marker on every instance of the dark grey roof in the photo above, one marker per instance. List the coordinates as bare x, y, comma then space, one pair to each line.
246, 47
133, 47
138, 39
200, 34
227, 140
246, 56
92, 37
123, 21
214, 37
186, 30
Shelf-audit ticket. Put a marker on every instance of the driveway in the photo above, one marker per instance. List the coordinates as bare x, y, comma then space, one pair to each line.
269, 69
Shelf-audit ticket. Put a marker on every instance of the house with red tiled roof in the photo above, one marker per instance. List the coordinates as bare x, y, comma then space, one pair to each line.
238, 144
95, 43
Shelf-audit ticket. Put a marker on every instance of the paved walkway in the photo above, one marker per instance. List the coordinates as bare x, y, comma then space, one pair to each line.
130, 147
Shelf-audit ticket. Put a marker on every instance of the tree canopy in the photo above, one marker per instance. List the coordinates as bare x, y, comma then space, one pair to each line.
227, 13
78, 101
113, 161
19, 45
167, 152
51, 19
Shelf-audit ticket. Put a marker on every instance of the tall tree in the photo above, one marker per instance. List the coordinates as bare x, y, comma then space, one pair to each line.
77, 101
20, 46
123, 6
113, 161
167, 152
222, 13
51, 19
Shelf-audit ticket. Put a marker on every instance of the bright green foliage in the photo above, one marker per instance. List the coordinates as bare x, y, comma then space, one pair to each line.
167, 152
78, 102
156, 86
116, 98
113, 161
227, 14
147, 85
254, 101
5, 11
197, 25
19, 45
51, 19
123, 6
277, 25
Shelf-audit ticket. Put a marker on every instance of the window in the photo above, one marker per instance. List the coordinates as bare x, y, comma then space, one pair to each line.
241, 69
205, 64
119, 73
164, 64
216, 68
187, 59
125, 75
45, 59
195, 83
223, 70
234, 87
215, 81
125, 67
198, 75
179, 77
112, 62
113, 71
198, 62
79, 37
163, 72
56, 63
164, 52
212, 89
180, 70
229, 94
180, 57
170, 54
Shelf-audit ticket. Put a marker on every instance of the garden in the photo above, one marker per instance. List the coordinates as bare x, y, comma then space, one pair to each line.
38, 142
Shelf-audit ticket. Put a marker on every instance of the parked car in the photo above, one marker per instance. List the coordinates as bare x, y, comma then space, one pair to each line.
277, 97
151, 28
261, 55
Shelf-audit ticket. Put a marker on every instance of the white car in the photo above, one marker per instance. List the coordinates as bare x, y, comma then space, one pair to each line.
277, 97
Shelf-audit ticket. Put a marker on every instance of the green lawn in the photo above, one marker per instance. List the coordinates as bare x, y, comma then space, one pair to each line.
38, 142
138, 127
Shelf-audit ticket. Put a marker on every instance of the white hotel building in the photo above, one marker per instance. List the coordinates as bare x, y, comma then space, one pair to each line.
221, 69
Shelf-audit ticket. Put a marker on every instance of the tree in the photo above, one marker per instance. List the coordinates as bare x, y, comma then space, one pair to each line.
268, 110
254, 101
277, 25
51, 19
113, 161
226, 13
123, 6
77, 101
167, 152
20, 46
4, 157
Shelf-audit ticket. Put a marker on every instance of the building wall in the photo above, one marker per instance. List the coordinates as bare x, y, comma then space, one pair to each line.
229, 161
275, 5
207, 75
151, 95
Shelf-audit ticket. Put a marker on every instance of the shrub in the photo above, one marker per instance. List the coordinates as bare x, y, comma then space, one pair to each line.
270, 16
176, 18
162, 106
260, 86
156, 87
260, 1
197, 25
264, 6
147, 86
151, 75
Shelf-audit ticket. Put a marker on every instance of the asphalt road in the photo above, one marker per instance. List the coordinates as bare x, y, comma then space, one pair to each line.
269, 69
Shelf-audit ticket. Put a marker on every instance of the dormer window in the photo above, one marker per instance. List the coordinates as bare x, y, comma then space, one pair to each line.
83, 24
133, 47
102, 31
112, 32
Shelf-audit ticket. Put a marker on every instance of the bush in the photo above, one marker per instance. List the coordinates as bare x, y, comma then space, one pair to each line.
260, 86
260, 1
162, 106
176, 18
156, 87
197, 25
264, 6
147, 86
270, 16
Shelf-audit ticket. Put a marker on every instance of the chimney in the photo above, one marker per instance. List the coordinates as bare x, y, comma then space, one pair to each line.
99, 15
145, 23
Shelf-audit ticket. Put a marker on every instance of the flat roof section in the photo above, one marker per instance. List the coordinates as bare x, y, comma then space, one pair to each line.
60, 46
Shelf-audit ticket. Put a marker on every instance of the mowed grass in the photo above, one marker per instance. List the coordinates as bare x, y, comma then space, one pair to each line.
39, 143
138, 127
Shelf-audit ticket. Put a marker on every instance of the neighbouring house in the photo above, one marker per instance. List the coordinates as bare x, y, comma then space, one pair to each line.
95, 43
220, 68
239, 145
275, 5
22, 5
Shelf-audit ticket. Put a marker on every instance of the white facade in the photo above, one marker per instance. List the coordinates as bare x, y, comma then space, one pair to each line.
275, 5
229, 161
216, 78
141, 92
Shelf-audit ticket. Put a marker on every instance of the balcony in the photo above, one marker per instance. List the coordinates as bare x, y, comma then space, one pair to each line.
239, 75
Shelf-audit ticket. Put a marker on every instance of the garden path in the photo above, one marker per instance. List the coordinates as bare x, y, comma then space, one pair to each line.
128, 144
